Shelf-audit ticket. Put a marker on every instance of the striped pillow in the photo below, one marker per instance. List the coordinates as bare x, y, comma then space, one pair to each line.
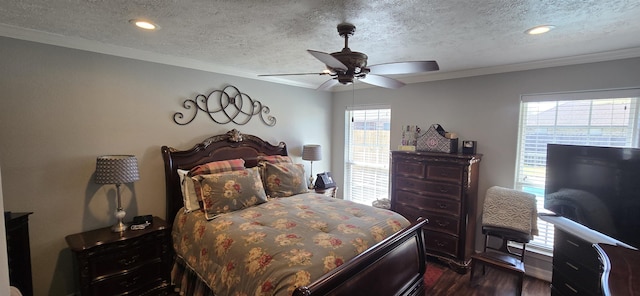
218, 167
274, 159
214, 167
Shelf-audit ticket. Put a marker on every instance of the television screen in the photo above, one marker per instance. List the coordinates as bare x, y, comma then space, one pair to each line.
598, 187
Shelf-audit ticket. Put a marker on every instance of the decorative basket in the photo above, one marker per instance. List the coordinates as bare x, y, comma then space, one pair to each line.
434, 140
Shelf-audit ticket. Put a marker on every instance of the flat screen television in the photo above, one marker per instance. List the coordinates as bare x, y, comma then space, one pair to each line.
598, 187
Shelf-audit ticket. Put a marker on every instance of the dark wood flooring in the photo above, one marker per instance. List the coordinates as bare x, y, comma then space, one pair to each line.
494, 283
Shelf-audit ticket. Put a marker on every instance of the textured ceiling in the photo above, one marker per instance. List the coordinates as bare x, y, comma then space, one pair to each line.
247, 38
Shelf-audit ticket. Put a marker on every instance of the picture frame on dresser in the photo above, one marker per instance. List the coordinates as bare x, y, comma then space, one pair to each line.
442, 188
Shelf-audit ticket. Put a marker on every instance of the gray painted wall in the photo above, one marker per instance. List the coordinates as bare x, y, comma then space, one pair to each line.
60, 108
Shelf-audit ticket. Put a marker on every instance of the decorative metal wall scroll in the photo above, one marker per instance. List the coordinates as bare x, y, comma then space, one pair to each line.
224, 106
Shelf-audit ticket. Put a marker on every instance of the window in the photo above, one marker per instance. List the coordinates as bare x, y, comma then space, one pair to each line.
595, 118
367, 138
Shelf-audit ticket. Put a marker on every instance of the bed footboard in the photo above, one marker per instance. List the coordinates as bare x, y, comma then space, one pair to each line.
395, 266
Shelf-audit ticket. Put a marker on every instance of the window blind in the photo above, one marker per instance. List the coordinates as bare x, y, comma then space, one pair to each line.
595, 118
367, 154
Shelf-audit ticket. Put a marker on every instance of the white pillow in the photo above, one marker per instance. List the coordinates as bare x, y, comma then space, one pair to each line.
189, 196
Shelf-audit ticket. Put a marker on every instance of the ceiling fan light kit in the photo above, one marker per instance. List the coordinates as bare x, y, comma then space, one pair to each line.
346, 66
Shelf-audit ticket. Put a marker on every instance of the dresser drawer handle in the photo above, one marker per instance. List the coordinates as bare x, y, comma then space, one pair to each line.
571, 288
572, 266
440, 244
442, 205
444, 190
127, 262
574, 244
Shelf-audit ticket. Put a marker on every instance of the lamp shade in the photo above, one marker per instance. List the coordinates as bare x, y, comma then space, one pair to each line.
311, 152
116, 169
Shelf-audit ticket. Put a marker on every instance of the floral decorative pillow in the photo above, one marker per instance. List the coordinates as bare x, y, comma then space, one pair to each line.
213, 168
275, 159
231, 191
284, 179
189, 196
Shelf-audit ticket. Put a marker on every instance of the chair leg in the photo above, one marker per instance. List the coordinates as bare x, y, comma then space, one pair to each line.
473, 282
520, 283
473, 269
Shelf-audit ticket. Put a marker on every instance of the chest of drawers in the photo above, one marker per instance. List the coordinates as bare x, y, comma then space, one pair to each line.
442, 188
576, 267
18, 251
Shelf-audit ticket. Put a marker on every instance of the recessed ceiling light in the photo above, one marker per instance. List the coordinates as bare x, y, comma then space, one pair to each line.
144, 24
539, 29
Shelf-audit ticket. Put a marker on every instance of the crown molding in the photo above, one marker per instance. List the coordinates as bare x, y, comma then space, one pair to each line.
120, 51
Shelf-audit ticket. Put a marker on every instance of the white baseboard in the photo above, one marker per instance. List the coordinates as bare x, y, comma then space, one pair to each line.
539, 273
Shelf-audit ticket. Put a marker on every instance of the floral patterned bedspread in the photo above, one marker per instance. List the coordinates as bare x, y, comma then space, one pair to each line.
274, 247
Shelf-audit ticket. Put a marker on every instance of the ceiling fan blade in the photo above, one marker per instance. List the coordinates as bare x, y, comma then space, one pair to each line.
294, 74
404, 67
382, 81
328, 60
327, 85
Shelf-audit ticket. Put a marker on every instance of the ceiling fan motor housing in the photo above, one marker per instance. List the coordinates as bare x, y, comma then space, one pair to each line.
356, 63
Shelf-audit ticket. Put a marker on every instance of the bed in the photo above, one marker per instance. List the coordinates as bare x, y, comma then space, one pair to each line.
389, 262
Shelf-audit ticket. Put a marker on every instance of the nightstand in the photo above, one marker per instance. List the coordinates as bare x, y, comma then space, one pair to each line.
134, 262
331, 192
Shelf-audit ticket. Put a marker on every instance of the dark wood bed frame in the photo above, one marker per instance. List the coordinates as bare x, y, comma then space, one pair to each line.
395, 266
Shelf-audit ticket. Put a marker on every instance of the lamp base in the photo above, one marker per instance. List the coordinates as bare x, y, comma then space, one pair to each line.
119, 227
311, 185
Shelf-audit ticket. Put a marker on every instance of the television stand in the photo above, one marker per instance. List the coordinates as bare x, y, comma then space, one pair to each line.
577, 262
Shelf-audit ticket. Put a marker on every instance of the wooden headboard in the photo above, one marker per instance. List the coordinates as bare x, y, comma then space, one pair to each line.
231, 145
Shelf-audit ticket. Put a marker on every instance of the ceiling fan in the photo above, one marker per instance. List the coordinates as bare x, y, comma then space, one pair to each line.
345, 66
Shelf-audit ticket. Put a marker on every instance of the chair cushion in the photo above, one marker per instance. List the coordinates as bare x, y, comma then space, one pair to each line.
509, 208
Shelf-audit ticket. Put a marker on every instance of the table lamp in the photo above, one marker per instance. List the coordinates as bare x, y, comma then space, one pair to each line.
311, 153
117, 169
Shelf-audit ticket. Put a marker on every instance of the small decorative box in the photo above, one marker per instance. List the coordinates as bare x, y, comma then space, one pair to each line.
434, 140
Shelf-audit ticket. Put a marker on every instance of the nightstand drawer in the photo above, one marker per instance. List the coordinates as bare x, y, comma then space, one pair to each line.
144, 278
126, 255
